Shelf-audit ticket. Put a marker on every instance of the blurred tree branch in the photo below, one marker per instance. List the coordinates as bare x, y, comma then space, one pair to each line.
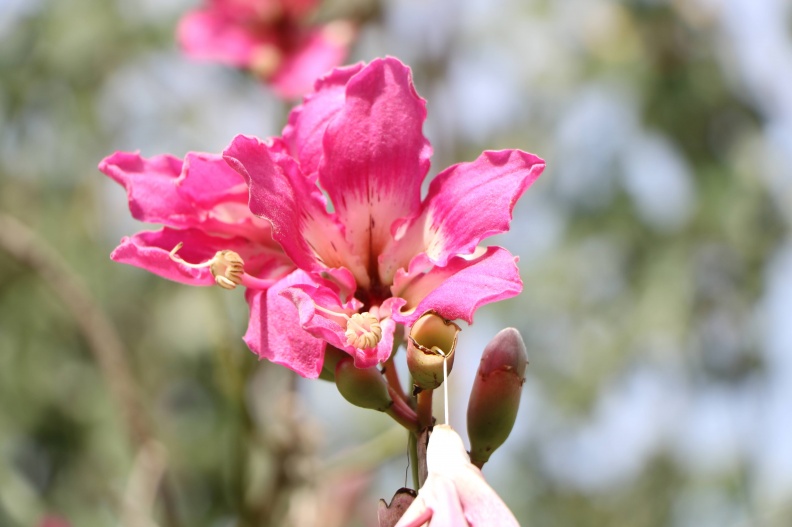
23, 244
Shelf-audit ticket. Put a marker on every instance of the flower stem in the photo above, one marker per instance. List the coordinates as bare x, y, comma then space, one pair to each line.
412, 448
424, 409
392, 376
401, 412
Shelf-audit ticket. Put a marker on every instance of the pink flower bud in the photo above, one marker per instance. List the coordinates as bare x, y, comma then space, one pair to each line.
362, 387
495, 396
432, 340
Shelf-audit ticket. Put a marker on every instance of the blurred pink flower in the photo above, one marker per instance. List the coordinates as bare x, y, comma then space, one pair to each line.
454, 493
374, 254
272, 38
53, 521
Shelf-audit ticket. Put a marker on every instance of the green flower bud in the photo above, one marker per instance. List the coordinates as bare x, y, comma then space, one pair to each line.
331, 358
495, 396
362, 387
431, 339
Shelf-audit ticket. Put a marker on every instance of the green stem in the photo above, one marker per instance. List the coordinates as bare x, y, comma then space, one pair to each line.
413, 451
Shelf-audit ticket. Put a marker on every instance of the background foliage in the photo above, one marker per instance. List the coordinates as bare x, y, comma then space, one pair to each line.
655, 252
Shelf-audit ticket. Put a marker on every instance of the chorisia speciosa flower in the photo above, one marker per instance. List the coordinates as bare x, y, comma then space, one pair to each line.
342, 190
335, 246
272, 38
455, 492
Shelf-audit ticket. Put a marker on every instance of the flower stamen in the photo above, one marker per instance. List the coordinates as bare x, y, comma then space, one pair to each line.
363, 330
227, 268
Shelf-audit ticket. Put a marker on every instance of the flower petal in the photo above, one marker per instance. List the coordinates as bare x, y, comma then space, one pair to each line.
150, 250
274, 331
465, 204
207, 180
307, 122
375, 155
294, 206
481, 504
447, 460
308, 293
201, 192
439, 495
458, 289
212, 35
150, 185
319, 50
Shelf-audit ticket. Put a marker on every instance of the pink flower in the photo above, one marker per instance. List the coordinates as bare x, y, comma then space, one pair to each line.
370, 253
53, 521
454, 493
269, 37
325, 226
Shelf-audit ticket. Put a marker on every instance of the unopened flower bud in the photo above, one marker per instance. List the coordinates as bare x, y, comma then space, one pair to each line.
362, 387
432, 340
331, 358
495, 396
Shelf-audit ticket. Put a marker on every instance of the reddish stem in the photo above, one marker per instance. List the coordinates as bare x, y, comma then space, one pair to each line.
401, 412
424, 408
392, 376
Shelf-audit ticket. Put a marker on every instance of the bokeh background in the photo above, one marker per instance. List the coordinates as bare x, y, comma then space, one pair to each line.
655, 252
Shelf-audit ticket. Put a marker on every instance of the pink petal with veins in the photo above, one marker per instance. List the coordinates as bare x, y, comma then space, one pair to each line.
274, 331
376, 156
458, 289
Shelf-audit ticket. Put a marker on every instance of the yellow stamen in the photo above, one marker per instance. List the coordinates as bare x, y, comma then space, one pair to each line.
363, 330
227, 267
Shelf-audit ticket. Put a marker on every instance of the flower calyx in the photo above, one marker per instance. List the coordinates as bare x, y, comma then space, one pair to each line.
430, 349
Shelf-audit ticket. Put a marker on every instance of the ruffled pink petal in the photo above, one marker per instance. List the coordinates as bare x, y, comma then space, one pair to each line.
465, 204
307, 122
150, 250
294, 206
201, 192
207, 181
150, 185
319, 50
274, 331
307, 294
375, 155
458, 289
212, 35
306, 297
